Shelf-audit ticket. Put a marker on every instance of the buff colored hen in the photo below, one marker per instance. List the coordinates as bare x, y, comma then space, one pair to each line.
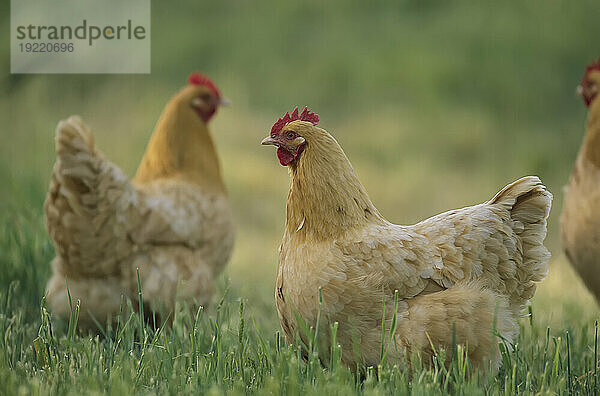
172, 221
459, 275
580, 218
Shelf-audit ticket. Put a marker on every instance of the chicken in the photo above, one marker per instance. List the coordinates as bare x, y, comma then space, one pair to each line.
580, 218
460, 275
173, 221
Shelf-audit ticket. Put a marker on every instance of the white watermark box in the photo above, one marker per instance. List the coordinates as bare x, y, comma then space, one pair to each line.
80, 36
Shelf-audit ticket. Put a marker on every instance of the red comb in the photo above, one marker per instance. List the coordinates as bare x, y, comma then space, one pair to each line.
306, 115
200, 79
593, 66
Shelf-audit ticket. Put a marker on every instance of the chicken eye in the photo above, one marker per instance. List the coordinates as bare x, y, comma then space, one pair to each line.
201, 100
291, 135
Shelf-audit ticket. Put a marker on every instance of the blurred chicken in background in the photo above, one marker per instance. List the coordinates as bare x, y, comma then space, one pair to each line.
172, 221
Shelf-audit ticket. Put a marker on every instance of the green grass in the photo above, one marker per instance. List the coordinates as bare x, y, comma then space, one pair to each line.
437, 104
236, 348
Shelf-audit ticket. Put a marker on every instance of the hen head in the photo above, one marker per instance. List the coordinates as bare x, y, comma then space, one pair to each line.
590, 84
202, 96
291, 133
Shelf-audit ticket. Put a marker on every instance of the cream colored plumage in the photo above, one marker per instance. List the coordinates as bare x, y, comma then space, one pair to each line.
466, 271
173, 221
580, 218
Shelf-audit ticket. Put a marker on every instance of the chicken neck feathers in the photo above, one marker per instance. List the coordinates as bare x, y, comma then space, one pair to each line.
181, 147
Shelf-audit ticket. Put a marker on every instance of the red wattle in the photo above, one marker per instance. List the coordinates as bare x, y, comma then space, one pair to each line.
285, 157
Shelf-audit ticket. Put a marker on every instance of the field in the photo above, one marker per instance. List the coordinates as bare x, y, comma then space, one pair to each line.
437, 104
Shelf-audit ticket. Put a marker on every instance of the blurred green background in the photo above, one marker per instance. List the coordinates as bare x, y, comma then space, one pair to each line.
437, 104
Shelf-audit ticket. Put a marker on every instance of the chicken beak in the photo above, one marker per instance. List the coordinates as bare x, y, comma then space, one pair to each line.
269, 141
223, 101
579, 90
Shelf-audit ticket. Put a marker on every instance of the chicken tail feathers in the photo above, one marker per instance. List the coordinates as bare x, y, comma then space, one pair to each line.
525, 189
82, 202
528, 203
77, 165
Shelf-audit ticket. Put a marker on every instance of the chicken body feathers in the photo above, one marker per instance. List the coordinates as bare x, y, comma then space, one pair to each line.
580, 227
497, 245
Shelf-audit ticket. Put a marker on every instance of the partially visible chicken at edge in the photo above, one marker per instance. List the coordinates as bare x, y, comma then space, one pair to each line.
580, 218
